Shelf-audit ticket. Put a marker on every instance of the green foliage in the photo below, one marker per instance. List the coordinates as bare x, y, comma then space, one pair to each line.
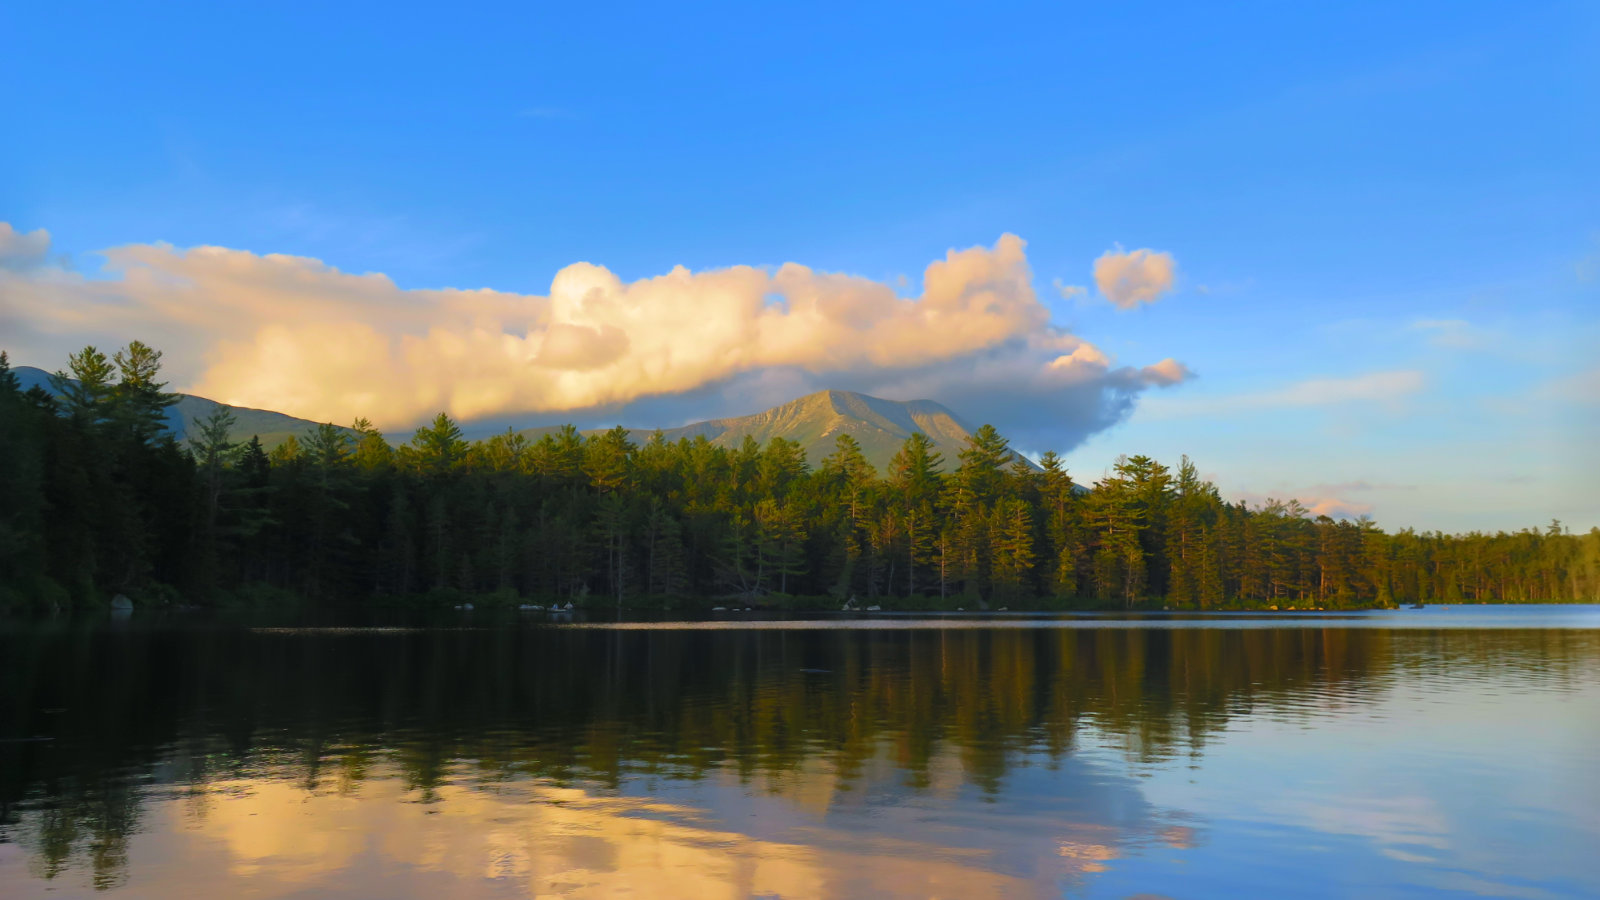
86, 386
436, 448
140, 408
92, 504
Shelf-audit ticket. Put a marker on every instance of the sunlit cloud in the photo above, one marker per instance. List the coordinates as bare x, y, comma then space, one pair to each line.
1315, 501
301, 336
1128, 279
1166, 373
530, 837
1342, 500
1335, 507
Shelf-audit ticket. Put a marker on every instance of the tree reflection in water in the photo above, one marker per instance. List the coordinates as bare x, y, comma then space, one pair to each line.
847, 760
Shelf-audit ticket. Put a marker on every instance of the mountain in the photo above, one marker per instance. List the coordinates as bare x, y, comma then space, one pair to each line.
272, 427
815, 422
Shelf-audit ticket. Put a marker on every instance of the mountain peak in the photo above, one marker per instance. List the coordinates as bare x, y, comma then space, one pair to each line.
816, 420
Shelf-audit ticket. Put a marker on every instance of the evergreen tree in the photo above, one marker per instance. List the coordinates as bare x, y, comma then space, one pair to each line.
213, 450
139, 403
95, 500
86, 387
437, 448
372, 451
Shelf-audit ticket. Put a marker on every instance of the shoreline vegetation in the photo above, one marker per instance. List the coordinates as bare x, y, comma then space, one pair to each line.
97, 501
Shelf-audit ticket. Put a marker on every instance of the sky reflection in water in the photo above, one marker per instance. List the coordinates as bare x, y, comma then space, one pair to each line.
1328, 758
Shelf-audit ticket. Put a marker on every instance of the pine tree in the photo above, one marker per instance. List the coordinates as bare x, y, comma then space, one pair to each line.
783, 465
139, 406
372, 451
665, 573
437, 448
1013, 549
614, 528
86, 387
608, 460
327, 447
288, 453
781, 540
254, 463
213, 451
980, 476
915, 469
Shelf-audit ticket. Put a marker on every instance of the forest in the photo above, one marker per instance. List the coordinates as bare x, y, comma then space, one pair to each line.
98, 499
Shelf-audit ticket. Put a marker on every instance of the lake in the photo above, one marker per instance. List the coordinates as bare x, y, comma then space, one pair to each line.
1426, 753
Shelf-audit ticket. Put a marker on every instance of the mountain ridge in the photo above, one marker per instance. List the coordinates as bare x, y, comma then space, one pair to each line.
813, 421
271, 426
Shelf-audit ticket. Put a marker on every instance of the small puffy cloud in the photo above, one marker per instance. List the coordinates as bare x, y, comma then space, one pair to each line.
1070, 291
1335, 507
1128, 279
22, 250
1166, 373
301, 336
1085, 356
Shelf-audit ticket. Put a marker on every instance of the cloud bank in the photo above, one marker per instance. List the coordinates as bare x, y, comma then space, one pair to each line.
1128, 279
298, 335
20, 250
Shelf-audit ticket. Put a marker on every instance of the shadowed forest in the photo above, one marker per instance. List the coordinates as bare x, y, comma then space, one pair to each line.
98, 499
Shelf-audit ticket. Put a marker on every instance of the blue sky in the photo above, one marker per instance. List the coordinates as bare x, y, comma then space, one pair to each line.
1385, 218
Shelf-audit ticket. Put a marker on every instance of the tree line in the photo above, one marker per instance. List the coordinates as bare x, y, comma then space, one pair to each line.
97, 498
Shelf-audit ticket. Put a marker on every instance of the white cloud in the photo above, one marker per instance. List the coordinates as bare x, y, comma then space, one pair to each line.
1128, 279
19, 250
1070, 291
298, 335
1386, 389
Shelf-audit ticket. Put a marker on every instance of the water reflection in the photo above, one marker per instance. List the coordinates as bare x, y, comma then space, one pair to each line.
962, 761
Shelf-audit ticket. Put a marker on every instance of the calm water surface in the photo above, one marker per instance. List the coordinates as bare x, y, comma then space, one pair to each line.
1410, 754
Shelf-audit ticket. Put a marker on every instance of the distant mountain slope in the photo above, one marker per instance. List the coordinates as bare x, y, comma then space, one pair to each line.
272, 427
816, 421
